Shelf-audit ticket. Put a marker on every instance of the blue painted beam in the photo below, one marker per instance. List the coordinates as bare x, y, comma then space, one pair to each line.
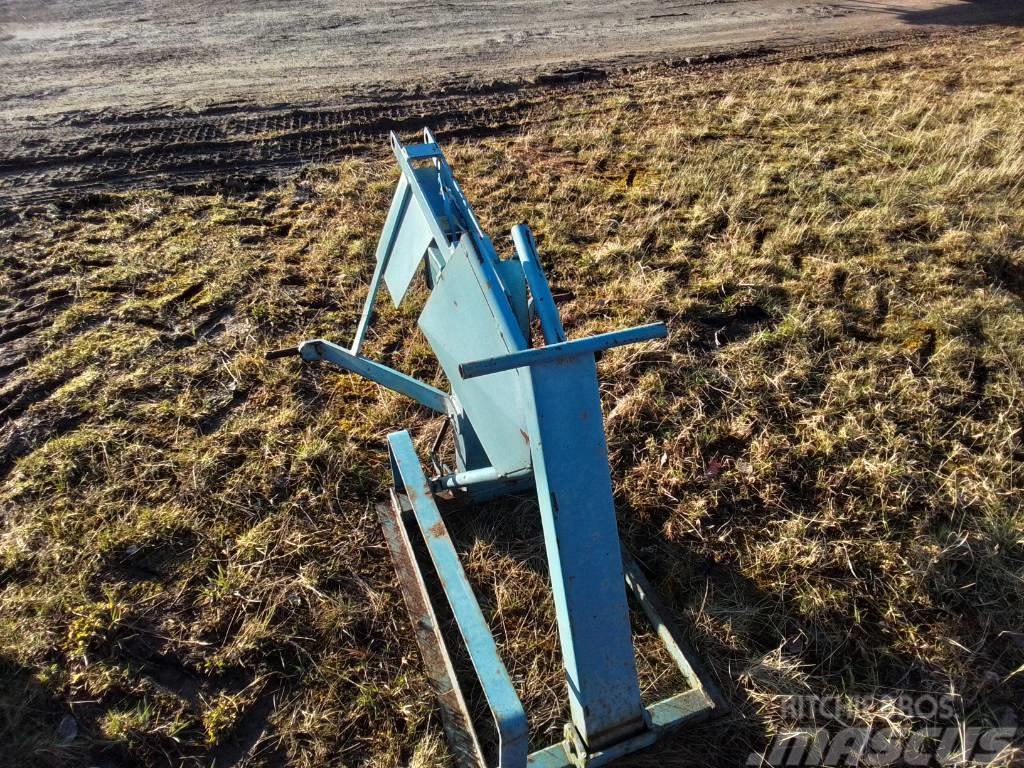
562, 351
401, 155
424, 394
507, 710
574, 493
543, 302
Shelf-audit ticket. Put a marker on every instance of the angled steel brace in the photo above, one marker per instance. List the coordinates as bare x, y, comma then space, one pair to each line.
424, 394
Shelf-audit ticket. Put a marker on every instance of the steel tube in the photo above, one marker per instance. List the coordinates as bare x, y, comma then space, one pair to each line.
424, 394
457, 480
543, 302
566, 349
469, 477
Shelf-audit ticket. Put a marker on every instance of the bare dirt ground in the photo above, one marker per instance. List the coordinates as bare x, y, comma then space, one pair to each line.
109, 94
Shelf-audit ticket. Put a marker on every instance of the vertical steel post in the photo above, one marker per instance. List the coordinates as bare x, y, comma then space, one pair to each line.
574, 491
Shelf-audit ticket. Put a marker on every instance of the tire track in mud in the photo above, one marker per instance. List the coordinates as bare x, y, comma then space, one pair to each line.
233, 146
97, 153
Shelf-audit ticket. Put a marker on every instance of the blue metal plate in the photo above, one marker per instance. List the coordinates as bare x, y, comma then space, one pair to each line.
406, 242
415, 222
459, 322
511, 273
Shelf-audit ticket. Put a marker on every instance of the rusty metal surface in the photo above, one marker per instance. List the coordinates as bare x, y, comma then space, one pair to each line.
462, 737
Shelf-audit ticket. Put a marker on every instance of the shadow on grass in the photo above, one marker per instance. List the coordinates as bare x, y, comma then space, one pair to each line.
972, 13
502, 548
767, 657
36, 727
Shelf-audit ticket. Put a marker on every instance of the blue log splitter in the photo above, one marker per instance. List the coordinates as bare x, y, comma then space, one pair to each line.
522, 417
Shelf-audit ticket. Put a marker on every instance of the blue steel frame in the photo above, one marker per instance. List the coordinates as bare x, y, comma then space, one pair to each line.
519, 413
508, 713
413, 506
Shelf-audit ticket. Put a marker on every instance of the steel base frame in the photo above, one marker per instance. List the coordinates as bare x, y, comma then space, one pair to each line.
413, 516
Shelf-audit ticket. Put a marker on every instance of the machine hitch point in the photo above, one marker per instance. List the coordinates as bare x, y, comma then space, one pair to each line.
522, 416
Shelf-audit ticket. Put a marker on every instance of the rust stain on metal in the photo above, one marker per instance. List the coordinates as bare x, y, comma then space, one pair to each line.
437, 530
455, 716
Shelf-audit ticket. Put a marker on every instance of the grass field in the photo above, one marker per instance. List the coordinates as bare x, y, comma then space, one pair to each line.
821, 468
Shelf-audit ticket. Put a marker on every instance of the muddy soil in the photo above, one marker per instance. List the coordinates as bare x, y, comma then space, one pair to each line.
112, 94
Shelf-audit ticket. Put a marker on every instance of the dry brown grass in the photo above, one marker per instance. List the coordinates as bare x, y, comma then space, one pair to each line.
821, 467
